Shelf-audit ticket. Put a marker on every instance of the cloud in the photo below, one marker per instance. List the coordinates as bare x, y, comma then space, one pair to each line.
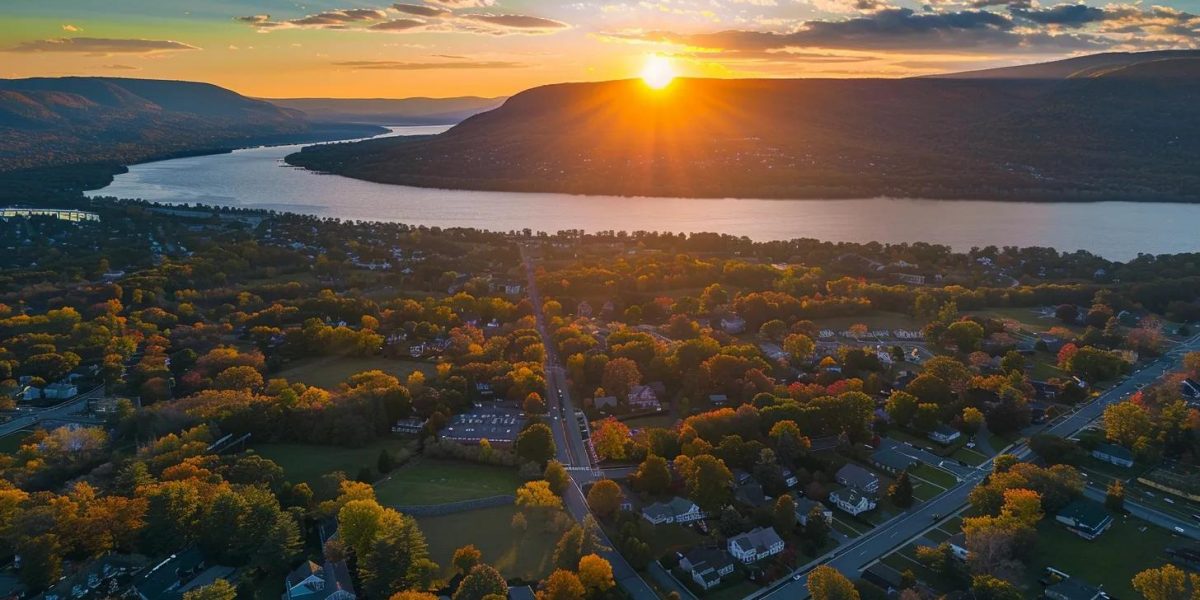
438, 16
1069, 15
851, 6
71, 28
100, 46
422, 10
893, 29
397, 25
516, 21
121, 68
394, 65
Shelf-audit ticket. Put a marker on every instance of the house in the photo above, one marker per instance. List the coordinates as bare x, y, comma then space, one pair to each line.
707, 566
751, 494
1045, 390
584, 309
60, 391
857, 477
741, 477
521, 592
789, 478
1185, 556
411, 426
944, 434
804, 507
718, 399
1073, 589
604, 402
893, 461
1114, 455
851, 500
179, 573
733, 324
311, 581
1087, 518
499, 426
643, 398
676, 510
958, 545
755, 545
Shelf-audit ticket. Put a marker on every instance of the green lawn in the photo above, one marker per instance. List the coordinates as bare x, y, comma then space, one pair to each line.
9, 444
1110, 560
308, 462
935, 476
328, 372
529, 556
663, 538
969, 456
437, 482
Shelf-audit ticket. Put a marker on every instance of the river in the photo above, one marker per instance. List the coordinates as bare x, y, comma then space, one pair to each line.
258, 178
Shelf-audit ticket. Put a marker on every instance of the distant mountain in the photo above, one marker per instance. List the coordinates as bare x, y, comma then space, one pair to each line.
1131, 132
1092, 65
46, 122
383, 111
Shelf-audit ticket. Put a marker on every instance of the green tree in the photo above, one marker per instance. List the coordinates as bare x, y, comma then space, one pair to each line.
398, 558
556, 475
1114, 498
281, 546
708, 483
987, 587
41, 560
902, 407
901, 491
217, 590
653, 476
536, 443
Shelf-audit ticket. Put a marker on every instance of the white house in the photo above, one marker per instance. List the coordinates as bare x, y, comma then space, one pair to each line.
311, 581
677, 510
804, 507
852, 501
944, 434
733, 324
755, 545
642, 397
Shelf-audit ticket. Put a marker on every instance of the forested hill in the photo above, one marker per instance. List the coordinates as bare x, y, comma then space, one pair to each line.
385, 111
77, 120
1127, 133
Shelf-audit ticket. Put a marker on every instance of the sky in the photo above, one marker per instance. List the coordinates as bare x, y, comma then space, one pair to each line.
443, 48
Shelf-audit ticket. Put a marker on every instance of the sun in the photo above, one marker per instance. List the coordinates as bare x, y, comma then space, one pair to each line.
658, 72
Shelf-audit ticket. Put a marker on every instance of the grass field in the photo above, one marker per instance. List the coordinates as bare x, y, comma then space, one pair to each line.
1111, 560
438, 482
12, 442
529, 556
328, 372
308, 462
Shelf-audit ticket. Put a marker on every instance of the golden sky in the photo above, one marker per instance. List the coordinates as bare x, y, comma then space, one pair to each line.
439, 48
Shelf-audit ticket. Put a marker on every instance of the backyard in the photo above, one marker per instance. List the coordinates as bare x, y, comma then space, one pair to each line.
426, 481
329, 372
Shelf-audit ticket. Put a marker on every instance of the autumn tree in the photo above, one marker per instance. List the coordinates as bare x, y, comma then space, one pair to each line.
988, 587
604, 498
217, 590
784, 514
1126, 423
562, 585
708, 482
1168, 582
1114, 497
972, 420
620, 375
596, 574
799, 347
481, 582
610, 438
901, 491
827, 583
557, 477
465, 558
901, 407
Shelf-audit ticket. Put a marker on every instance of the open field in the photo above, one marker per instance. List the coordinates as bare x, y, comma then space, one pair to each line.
328, 372
1111, 560
529, 556
308, 462
427, 481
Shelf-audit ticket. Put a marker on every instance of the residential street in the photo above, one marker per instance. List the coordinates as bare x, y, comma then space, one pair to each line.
573, 449
67, 407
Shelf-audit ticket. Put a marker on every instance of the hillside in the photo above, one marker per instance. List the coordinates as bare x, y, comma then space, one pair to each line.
384, 111
1091, 65
50, 122
1092, 138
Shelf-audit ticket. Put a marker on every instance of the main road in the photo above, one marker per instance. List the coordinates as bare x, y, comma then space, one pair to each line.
573, 450
902, 529
60, 410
